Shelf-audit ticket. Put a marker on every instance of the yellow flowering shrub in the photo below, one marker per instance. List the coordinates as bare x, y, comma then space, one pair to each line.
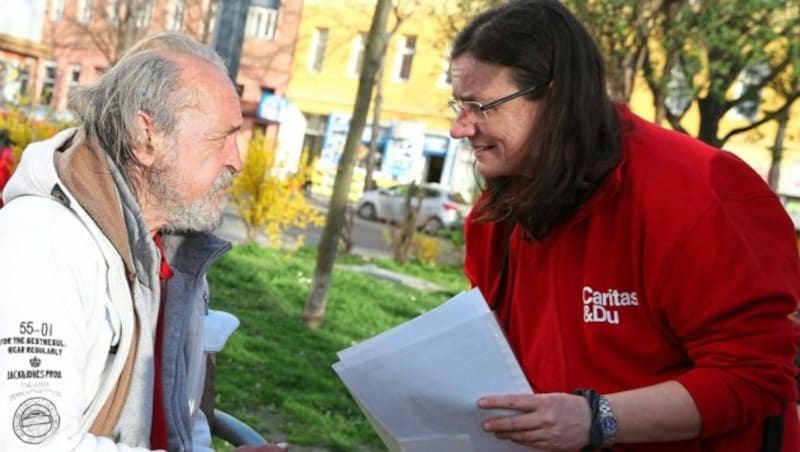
23, 131
427, 249
266, 201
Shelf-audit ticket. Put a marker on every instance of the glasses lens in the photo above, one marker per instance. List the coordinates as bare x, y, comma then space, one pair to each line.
455, 106
472, 110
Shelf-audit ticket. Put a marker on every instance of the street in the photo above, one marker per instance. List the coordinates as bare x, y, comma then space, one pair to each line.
370, 237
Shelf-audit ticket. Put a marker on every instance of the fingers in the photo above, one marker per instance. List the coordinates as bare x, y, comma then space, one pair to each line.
519, 402
524, 421
516, 423
553, 421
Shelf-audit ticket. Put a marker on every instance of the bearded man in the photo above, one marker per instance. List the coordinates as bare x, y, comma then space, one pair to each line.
104, 246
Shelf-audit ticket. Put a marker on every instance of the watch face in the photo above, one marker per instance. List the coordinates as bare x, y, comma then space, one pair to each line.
608, 424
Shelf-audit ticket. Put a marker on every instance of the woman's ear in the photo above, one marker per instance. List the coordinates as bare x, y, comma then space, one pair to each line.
143, 150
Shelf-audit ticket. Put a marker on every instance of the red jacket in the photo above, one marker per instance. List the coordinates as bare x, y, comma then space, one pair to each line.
6, 162
683, 266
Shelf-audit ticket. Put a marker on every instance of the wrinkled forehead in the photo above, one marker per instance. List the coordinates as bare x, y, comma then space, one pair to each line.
470, 77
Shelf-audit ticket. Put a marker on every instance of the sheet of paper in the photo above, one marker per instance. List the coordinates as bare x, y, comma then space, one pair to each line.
464, 306
418, 383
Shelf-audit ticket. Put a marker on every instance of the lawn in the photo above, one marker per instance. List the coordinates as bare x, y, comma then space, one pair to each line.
274, 370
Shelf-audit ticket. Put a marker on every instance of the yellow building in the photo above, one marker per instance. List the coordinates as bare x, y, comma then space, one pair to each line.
414, 141
415, 119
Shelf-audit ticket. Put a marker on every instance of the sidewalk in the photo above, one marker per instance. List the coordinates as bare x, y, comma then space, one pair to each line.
409, 281
232, 229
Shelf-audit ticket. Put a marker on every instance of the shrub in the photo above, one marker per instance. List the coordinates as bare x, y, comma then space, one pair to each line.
268, 202
22, 131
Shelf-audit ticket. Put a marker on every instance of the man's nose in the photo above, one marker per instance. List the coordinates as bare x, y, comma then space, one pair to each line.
234, 157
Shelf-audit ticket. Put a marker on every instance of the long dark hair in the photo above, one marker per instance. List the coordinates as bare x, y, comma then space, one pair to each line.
575, 143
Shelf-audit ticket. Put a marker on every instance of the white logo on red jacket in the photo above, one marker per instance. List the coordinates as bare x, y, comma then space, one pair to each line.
603, 306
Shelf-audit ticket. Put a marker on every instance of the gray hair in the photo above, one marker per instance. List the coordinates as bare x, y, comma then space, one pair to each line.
145, 80
178, 43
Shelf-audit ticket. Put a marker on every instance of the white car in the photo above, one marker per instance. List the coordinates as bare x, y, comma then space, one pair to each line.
440, 208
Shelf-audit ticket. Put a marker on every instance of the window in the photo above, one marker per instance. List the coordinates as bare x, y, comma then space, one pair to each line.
144, 15
84, 11
357, 54
175, 17
406, 54
13, 80
74, 75
112, 11
23, 78
319, 43
57, 9
261, 22
48, 83
210, 6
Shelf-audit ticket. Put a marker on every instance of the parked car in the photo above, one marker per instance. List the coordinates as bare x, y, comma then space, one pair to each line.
441, 207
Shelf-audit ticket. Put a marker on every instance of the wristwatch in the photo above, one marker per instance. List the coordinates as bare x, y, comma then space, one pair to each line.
607, 421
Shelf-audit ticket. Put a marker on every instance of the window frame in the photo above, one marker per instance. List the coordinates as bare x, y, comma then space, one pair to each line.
84, 15
262, 22
49, 80
358, 50
404, 61
57, 8
319, 46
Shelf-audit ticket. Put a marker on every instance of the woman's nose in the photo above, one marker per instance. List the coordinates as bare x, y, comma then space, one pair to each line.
463, 126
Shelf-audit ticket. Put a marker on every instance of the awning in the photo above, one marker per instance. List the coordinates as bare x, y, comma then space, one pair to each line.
272, 107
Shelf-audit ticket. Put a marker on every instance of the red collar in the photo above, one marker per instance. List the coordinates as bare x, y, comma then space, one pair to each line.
165, 272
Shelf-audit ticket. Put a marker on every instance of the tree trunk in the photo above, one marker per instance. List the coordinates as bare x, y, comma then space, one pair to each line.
250, 232
405, 233
777, 153
376, 128
711, 111
314, 312
347, 229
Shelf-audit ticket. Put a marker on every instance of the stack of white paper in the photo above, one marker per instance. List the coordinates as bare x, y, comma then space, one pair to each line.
418, 383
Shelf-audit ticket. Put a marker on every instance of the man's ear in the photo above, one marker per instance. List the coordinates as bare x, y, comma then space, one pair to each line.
143, 150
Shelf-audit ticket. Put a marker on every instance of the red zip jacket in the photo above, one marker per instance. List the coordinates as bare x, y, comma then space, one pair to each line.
6, 161
682, 266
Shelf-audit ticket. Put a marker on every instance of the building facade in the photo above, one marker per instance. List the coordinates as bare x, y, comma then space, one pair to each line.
64, 43
298, 75
413, 141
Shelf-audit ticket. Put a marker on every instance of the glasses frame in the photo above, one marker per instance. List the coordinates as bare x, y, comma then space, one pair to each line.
458, 106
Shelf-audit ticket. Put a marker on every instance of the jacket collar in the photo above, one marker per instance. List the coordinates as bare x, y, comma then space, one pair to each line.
97, 185
84, 170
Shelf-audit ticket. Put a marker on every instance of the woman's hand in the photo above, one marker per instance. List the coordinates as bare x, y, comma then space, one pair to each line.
553, 422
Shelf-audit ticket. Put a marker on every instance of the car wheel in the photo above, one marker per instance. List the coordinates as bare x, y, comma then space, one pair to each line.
432, 225
367, 210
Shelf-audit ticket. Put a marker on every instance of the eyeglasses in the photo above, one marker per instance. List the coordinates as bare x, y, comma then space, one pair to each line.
476, 111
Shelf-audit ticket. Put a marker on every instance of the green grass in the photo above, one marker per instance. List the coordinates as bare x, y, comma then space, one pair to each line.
276, 370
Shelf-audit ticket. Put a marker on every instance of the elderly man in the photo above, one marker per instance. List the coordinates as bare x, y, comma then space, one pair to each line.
104, 246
